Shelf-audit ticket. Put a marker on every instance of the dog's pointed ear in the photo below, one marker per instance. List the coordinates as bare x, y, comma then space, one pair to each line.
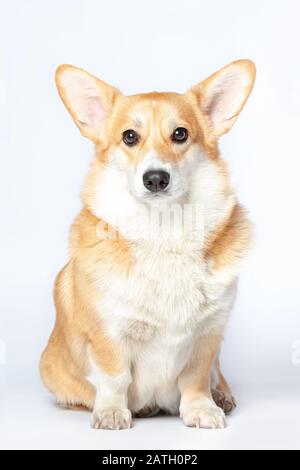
223, 95
87, 98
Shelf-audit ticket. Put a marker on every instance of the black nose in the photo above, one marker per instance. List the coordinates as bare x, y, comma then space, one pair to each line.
156, 180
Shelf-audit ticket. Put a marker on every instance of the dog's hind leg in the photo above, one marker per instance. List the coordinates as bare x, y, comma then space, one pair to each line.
221, 391
62, 378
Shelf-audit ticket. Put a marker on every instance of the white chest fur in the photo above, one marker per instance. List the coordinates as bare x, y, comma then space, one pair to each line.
159, 312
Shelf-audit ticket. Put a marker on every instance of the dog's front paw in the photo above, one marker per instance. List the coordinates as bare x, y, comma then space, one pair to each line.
111, 418
204, 414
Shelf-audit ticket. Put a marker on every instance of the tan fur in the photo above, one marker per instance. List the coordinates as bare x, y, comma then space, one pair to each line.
77, 328
221, 392
194, 381
231, 240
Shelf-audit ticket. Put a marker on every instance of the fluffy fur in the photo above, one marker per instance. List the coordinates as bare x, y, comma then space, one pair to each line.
140, 318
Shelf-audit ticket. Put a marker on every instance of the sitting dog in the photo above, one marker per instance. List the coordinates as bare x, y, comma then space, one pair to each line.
155, 253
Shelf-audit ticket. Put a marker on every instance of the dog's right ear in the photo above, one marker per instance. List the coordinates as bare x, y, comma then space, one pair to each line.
87, 99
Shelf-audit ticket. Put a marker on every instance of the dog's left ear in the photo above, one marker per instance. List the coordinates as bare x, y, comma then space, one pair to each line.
223, 95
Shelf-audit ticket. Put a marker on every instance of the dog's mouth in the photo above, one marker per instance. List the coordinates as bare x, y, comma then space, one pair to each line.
157, 196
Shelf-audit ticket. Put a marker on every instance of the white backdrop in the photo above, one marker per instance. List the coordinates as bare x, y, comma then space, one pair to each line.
141, 46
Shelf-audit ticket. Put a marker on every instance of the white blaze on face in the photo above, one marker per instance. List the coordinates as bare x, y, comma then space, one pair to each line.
179, 172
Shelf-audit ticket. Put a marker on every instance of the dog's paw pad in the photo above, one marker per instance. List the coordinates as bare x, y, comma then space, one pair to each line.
112, 418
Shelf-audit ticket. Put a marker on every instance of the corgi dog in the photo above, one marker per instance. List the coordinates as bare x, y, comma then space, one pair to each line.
155, 253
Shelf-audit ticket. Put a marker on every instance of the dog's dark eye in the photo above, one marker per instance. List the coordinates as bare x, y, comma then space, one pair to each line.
130, 137
180, 135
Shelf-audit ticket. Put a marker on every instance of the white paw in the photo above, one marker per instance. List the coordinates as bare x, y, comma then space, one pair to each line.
204, 415
111, 418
